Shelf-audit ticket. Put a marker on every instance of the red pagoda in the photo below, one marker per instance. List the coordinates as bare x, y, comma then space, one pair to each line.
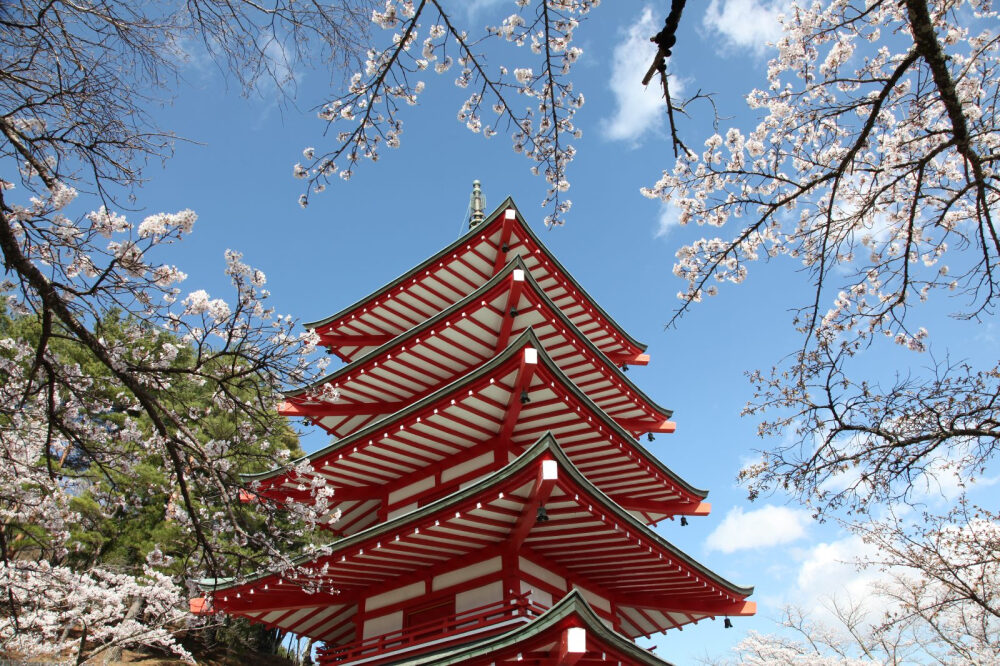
492, 501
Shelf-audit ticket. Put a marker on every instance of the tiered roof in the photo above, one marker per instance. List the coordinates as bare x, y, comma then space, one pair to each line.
588, 540
460, 338
457, 271
505, 404
485, 431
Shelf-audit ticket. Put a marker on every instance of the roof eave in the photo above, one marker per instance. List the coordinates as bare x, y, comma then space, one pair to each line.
527, 336
514, 263
545, 444
507, 203
573, 604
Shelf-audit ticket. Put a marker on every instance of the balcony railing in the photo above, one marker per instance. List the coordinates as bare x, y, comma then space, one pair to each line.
436, 632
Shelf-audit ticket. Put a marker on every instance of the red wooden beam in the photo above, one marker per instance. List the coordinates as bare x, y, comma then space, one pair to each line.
509, 217
565, 573
510, 311
669, 508
525, 371
676, 604
287, 408
304, 624
548, 474
270, 600
423, 574
630, 359
646, 426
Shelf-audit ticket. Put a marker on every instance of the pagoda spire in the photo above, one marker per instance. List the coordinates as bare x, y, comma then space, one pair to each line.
477, 205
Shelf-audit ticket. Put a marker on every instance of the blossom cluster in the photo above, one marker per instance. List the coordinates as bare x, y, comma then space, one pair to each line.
370, 110
856, 170
73, 421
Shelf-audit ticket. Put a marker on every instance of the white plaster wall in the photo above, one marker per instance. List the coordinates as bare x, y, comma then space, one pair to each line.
412, 489
466, 573
385, 624
401, 510
530, 567
480, 596
538, 596
394, 596
594, 600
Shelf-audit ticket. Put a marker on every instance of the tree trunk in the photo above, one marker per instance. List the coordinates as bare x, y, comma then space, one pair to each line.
115, 653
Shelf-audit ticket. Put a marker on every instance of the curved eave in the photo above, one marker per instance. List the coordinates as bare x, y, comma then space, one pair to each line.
417, 406
509, 203
402, 338
626, 518
474, 232
572, 608
524, 339
610, 422
495, 281
545, 445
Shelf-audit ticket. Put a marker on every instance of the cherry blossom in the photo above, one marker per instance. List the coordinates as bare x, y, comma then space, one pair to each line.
370, 111
872, 171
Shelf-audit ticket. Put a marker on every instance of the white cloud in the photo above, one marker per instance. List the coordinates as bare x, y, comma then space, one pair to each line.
761, 528
746, 23
669, 218
638, 109
473, 8
987, 333
828, 575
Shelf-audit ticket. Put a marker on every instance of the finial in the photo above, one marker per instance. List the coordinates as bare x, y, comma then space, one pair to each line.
477, 204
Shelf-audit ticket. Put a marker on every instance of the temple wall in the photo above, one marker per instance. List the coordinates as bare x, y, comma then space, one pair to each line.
479, 596
383, 624
464, 574
395, 596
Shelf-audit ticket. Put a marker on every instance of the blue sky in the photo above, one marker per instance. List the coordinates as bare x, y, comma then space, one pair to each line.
235, 171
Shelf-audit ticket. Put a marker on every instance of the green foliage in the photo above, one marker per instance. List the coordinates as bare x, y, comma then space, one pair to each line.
122, 518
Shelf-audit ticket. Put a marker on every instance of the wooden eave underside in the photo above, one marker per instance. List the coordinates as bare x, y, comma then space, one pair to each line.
480, 414
588, 540
538, 643
455, 272
458, 340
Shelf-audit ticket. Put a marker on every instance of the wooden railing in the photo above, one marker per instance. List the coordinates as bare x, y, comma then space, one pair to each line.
436, 631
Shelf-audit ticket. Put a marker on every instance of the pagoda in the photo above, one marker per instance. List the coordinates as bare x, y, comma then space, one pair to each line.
491, 499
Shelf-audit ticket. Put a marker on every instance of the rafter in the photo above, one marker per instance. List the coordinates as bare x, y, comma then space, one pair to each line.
509, 313
641, 425
668, 508
525, 371
548, 474
509, 217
